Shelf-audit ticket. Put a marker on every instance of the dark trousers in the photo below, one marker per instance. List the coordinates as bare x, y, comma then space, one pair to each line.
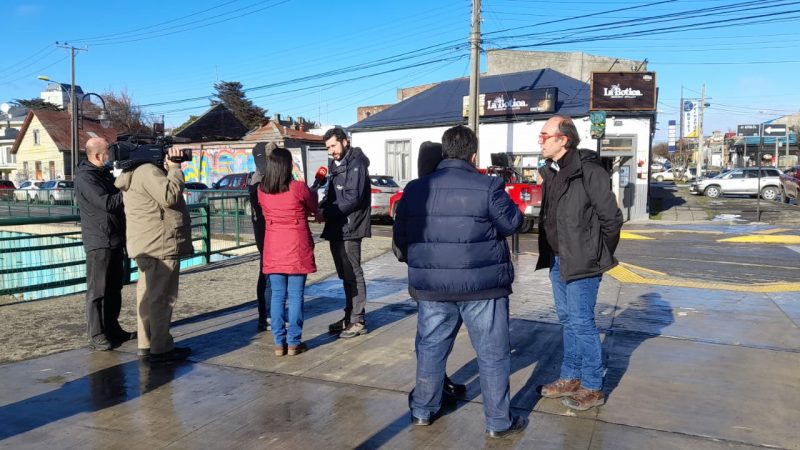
263, 291
104, 291
347, 258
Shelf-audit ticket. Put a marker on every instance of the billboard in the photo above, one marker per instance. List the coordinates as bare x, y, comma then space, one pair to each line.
671, 137
691, 118
533, 101
623, 91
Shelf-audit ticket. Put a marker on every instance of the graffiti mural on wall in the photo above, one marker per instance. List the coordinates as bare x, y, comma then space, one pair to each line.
210, 164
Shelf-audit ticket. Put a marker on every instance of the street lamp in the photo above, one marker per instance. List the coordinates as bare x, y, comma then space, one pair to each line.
105, 122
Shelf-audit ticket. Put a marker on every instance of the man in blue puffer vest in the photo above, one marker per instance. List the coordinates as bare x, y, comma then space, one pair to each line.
451, 229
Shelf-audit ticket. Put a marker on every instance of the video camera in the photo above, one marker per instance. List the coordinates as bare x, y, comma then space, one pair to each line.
131, 151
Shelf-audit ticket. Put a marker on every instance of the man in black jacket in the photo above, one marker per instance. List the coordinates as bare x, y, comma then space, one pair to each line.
103, 231
346, 212
263, 288
578, 234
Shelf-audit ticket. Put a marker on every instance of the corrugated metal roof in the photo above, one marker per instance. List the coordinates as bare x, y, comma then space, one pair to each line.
443, 103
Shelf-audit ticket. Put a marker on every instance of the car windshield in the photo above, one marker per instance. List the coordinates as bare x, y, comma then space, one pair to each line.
383, 182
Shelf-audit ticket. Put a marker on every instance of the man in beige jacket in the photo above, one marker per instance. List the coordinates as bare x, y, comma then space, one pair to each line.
158, 235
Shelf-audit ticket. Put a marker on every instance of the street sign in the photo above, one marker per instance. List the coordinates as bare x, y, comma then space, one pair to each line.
748, 130
774, 130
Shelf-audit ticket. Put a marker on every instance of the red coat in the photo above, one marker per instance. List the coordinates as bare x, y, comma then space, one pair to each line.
288, 245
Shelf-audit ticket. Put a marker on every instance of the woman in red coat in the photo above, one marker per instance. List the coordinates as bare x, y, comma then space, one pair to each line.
288, 248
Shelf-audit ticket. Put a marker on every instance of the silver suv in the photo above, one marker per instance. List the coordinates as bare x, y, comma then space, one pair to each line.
741, 181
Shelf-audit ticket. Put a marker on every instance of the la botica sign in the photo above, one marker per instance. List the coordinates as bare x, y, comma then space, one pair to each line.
623, 91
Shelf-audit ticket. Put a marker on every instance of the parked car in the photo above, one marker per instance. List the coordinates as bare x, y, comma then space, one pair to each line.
383, 187
741, 181
231, 182
194, 192
56, 191
7, 189
26, 191
664, 175
790, 185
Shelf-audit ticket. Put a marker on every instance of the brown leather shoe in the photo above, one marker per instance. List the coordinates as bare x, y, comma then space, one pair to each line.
584, 399
560, 388
295, 350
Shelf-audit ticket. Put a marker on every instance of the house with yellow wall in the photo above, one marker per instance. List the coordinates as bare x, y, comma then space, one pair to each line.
43, 146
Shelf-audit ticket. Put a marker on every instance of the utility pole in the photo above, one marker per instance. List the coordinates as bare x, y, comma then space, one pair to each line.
73, 106
700, 148
474, 76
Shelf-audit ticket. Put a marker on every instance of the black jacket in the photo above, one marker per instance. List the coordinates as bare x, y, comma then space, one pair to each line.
100, 203
451, 228
346, 206
588, 220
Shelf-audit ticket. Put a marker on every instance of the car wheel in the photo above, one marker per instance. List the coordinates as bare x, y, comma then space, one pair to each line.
769, 193
659, 179
712, 191
527, 225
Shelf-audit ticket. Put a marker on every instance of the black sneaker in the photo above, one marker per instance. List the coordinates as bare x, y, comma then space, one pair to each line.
458, 391
176, 354
518, 424
122, 336
100, 344
353, 330
338, 326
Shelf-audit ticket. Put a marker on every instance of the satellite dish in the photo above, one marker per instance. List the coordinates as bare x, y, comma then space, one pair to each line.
5, 107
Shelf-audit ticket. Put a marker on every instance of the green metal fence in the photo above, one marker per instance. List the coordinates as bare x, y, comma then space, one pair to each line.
43, 257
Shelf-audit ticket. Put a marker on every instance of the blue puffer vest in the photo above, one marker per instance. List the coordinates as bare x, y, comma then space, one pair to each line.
451, 227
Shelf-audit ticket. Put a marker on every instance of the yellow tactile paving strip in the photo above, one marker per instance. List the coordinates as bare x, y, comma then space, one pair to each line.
628, 273
782, 239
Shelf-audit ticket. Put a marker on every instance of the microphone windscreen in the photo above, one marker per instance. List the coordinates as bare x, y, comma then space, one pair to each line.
322, 172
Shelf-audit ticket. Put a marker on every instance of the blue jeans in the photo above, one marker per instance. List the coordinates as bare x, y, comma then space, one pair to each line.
287, 289
487, 324
575, 300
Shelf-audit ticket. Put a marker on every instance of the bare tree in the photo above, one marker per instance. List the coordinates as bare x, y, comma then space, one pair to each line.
126, 116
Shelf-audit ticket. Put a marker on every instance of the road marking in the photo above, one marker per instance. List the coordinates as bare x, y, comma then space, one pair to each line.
634, 237
644, 269
785, 239
773, 231
625, 275
662, 230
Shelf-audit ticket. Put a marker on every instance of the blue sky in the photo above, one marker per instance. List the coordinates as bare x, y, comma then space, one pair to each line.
322, 59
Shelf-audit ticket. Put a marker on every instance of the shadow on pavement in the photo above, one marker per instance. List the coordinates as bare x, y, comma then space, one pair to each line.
644, 318
111, 386
664, 197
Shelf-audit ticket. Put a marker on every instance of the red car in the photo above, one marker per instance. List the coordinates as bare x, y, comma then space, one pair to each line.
528, 196
7, 189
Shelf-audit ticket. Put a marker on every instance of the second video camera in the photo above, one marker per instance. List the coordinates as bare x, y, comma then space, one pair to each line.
131, 151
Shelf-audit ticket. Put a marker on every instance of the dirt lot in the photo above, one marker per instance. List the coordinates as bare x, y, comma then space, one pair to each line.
42, 327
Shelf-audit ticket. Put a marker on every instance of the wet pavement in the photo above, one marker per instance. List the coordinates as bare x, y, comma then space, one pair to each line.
699, 368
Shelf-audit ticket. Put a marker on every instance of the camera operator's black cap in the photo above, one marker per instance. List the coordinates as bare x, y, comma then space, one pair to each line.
260, 152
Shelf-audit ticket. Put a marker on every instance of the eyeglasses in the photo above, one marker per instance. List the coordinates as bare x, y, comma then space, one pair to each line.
543, 137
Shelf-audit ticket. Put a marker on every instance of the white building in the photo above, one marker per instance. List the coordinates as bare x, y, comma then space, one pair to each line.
391, 138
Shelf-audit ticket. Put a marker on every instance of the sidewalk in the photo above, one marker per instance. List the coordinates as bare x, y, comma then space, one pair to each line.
687, 368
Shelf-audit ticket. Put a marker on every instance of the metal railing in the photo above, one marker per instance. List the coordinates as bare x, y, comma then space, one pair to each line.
43, 257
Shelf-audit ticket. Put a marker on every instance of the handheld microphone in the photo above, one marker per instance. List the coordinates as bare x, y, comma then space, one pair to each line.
319, 177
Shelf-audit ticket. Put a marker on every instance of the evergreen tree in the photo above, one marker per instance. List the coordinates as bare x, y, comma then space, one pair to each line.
231, 94
37, 103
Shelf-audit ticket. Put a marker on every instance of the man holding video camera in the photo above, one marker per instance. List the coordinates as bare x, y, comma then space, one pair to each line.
158, 235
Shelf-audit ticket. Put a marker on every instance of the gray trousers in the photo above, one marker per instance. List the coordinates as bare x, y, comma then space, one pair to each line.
347, 258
